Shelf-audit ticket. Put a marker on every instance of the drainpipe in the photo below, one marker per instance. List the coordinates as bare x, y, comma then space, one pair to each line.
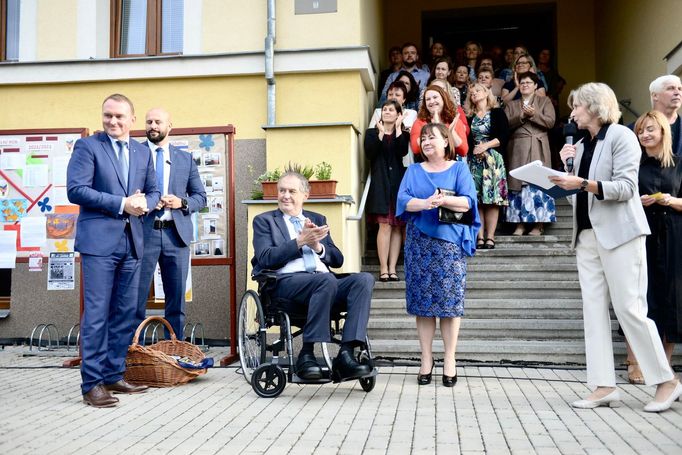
270, 61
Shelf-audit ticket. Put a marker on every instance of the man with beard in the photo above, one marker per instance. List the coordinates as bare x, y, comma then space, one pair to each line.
168, 228
410, 64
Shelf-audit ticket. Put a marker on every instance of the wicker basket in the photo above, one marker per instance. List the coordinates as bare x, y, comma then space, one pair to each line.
153, 365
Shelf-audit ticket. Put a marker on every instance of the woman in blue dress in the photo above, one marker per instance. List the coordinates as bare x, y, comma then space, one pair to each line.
435, 252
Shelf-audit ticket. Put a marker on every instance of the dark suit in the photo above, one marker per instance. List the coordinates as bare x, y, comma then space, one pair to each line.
111, 245
170, 246
319, 292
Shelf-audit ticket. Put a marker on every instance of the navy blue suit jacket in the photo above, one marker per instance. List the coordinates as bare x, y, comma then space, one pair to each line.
183, 182
94, 182
273, 248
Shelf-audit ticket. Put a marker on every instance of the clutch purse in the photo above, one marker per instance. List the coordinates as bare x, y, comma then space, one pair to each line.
452, 216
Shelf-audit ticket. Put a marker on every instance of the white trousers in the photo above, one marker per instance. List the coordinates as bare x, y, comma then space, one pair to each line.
619, 276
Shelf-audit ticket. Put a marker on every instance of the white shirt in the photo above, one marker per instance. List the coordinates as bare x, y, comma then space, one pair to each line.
126, 152
297, 265
166, 174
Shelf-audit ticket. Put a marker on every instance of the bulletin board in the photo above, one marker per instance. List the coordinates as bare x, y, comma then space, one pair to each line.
212, 149
33, 197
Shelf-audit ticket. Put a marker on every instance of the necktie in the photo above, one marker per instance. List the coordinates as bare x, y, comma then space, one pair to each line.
308, 254
159, 169
123, 161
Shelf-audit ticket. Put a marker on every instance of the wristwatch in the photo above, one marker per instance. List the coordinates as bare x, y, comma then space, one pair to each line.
183, 203
583, 185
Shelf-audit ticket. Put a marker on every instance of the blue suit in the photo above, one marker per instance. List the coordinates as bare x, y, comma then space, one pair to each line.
111, 245
170, 246
315, 293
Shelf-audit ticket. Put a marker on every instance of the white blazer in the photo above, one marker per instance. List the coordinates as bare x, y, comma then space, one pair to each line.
619, 217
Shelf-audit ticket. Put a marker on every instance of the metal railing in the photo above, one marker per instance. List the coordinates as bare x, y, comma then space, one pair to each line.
363, 201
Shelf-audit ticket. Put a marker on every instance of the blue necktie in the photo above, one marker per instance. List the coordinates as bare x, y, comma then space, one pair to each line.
159, 169
122, 161
308, 254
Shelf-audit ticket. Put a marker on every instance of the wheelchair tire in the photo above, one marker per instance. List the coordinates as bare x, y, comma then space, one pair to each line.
251, 337
268, 381
368, 384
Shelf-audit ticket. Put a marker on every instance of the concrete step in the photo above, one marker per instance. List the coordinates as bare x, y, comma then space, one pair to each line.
496, 289
495, 308
552, 352
402, 328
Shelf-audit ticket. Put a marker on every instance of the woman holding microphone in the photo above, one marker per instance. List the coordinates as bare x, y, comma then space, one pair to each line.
609, 232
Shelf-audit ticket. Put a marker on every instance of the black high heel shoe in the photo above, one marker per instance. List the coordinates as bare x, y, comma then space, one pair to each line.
449, 381
425, 379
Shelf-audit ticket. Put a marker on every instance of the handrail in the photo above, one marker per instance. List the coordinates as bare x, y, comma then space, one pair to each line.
361, 207
626, 105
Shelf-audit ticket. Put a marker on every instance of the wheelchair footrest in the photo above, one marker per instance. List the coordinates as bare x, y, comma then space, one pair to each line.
373, 373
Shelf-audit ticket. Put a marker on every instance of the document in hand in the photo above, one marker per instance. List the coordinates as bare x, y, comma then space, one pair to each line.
537, 176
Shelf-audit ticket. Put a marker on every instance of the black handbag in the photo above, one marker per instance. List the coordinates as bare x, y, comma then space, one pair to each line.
452, 216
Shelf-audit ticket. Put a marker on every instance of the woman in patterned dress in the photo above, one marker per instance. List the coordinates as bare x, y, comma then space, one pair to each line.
435, 252
530, 118
489, 132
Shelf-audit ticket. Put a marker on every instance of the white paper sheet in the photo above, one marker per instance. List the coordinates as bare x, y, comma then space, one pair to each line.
59, 196
59, 164
36, 175
8, 249
12, 160
33, 231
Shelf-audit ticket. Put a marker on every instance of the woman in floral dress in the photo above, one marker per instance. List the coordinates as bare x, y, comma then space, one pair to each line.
489, 132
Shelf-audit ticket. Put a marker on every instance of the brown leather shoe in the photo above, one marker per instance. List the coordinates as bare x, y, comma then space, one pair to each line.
124, 387
98, 397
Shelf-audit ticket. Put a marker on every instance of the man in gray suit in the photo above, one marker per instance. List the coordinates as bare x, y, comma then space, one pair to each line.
168, 229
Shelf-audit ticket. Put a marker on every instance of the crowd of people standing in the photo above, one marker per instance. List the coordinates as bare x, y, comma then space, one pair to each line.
477, 120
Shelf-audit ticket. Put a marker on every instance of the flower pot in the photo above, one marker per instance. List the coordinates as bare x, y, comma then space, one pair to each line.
269, 190
322, 189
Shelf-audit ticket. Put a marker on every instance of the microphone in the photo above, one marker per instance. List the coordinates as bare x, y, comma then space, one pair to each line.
570, 130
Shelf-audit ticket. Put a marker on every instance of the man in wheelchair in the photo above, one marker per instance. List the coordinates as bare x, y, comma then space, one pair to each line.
296, 245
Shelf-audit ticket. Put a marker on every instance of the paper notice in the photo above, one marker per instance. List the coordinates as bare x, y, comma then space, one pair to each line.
60, 271
33, 231
36, 175
59, 165
8, 249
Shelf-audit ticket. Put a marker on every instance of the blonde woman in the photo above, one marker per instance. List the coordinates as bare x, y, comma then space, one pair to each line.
609, 235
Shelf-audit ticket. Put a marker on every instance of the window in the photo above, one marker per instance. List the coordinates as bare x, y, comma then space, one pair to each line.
146, 27
9, 30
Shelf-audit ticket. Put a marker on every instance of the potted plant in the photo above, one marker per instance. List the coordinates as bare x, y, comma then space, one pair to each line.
323, 186
268, 182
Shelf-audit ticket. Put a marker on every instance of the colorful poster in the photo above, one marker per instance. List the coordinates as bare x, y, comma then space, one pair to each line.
12, 210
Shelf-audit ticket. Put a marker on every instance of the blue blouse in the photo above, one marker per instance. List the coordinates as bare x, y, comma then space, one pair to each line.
418, 183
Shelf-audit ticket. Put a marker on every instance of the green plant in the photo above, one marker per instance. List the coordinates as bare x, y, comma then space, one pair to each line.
269, 176
323, 171
305, 171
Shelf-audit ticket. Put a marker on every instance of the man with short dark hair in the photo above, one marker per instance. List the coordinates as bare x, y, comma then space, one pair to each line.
296, 245
411, 64
168, 228
111, 178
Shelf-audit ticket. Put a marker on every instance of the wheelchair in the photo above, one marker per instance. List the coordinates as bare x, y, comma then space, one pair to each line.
257, 320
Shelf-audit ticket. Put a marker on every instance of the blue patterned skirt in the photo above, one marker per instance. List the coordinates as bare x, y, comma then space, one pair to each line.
435, 276
530, 206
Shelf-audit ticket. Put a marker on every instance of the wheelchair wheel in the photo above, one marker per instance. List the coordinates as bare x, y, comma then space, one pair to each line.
251, 334
367, 384
268, 380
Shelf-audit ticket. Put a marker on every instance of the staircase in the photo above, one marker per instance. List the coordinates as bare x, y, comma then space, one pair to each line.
523, 304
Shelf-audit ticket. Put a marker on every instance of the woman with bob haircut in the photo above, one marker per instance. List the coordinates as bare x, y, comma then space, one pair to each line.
609, 236
435, 252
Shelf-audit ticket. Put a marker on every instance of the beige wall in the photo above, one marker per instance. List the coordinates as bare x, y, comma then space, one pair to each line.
56, 30
633, 37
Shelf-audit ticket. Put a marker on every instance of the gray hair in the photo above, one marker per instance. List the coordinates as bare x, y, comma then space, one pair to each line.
599, 100
658, 84
305, 185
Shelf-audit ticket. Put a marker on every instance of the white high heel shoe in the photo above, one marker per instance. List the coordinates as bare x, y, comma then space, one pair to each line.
660, 406
611, 400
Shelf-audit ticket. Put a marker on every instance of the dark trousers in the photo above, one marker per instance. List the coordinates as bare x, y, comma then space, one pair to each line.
165, 247
110, 294
321, 293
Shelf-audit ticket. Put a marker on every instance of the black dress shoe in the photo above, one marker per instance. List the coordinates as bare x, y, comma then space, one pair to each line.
425, 379
345, 367
125, 387
98, 397
307, 367
449, 381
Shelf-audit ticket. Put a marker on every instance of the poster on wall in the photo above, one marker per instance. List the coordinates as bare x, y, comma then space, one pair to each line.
60, 272
160, 296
